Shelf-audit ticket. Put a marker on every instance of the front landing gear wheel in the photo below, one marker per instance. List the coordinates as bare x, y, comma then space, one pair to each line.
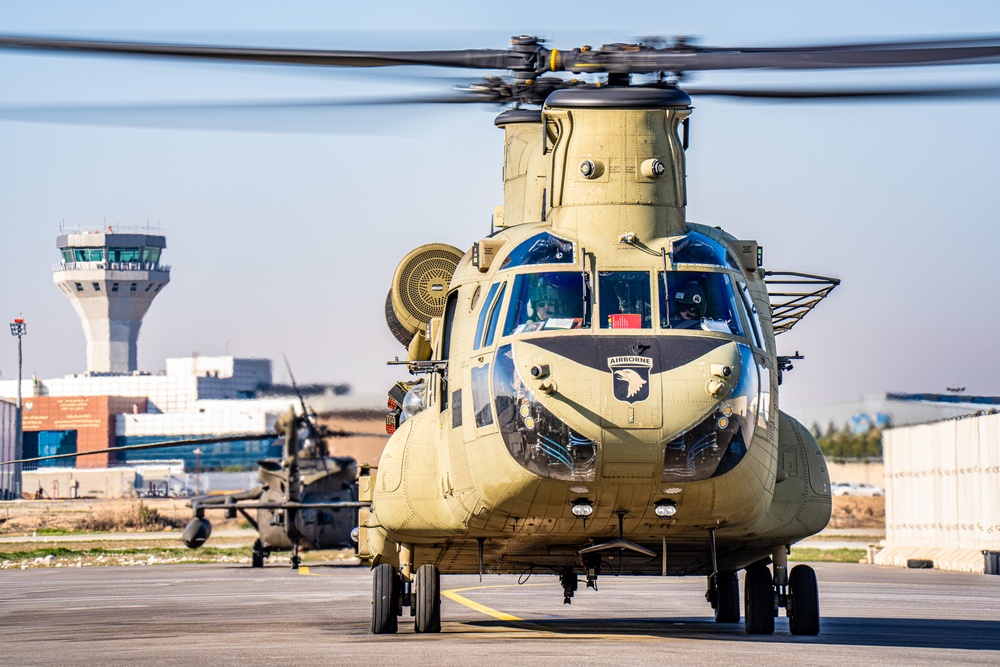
257, 555
385, 600
428, 599
727, 607
759, 600
803, 601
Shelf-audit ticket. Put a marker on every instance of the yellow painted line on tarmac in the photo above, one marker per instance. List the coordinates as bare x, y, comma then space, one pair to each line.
454, 594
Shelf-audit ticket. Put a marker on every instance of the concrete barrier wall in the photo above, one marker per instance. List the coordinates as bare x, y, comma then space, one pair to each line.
857, 472
942, 484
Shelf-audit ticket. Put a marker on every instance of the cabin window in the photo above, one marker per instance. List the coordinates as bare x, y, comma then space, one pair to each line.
541, 249
625, 300
449, 320
481, 396
696, 248
547, 302
698, 300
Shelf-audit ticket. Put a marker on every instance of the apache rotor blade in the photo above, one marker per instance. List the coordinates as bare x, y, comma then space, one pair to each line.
467, 58
192, 441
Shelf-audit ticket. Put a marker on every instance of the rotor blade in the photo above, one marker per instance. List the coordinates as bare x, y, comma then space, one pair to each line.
192, 441
466, 58
684, 58
221, 115
152, 445
957, 93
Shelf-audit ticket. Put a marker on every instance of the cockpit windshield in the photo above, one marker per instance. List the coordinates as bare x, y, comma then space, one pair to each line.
625, 301
548, 301
697, 248
698, 300
543, 248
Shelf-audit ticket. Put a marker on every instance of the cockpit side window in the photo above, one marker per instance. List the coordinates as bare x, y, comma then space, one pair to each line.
483, 314
491, 323
747, 298
548, 301
624, 300
543, 248
698, 300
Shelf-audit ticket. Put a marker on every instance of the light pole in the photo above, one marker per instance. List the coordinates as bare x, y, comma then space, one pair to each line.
18, 329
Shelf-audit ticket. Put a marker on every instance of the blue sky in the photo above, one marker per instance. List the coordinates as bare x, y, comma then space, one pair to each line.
284, 241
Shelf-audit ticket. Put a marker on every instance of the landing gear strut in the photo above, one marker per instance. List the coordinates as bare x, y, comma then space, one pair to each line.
569, 584
296, 559
796, 591
394, 590
258, 554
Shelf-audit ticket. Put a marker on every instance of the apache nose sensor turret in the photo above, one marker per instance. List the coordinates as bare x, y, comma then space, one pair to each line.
111, 278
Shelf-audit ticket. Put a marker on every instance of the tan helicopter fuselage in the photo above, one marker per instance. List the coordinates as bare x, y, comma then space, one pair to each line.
625, 413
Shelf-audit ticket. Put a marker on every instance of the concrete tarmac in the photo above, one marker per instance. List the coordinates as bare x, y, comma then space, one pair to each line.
234, 615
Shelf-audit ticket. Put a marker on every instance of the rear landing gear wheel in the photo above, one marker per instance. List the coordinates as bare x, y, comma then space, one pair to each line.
759, 600
803, 601
428, 599
727, 607
385, 600
257, 555
296, 558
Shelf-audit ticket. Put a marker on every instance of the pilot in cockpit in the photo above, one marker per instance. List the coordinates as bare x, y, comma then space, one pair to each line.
689, 307
545, 304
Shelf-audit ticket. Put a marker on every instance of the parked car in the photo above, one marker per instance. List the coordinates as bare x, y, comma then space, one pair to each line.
852, 489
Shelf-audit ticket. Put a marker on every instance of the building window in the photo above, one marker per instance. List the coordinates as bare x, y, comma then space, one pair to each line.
114, 287
132, 289
79, 287
97, 286
148, 287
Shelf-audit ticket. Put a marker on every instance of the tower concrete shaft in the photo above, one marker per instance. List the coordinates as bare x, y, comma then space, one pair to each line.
111, 278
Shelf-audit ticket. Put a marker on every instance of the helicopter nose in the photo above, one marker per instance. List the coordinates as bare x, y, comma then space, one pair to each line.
196, 533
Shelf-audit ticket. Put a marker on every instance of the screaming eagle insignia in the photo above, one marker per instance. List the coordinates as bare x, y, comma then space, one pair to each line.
630, 377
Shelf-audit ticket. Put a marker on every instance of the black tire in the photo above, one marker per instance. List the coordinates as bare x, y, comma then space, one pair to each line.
257, 555
759, 600
727, 607
428, 599
803, 601
385, 595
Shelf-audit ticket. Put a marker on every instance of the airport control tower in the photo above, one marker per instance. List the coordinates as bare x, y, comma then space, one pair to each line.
111, 277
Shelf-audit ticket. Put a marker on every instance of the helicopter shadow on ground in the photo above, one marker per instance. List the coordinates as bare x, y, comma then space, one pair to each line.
845, 631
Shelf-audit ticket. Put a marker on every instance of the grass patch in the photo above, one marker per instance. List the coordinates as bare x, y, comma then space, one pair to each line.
208, 553
807, 555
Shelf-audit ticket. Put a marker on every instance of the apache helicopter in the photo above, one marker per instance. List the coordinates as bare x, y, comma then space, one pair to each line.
600, 374
305, 501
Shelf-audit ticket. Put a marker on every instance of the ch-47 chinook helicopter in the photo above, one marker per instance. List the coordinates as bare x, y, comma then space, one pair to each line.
601, 375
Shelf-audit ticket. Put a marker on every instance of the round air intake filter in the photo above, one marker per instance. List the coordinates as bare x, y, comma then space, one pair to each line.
420, 284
